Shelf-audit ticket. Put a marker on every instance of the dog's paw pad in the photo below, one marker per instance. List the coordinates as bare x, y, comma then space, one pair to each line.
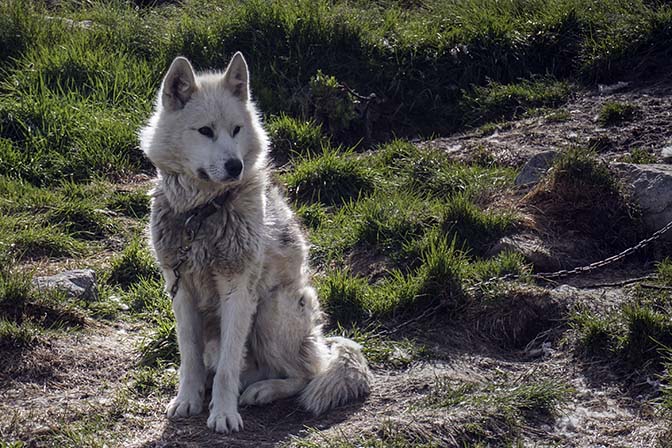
179, 407
225, 423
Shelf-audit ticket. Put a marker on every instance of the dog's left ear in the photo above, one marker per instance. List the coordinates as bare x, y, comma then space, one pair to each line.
236, 77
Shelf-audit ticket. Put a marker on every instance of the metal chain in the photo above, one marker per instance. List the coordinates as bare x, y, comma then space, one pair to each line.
581, 269
190, 231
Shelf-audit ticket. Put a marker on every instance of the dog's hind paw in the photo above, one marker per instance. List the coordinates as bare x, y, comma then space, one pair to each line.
257, 394
180, 407
225, 423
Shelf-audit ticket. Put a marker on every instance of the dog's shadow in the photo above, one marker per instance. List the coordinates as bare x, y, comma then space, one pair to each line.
265, 426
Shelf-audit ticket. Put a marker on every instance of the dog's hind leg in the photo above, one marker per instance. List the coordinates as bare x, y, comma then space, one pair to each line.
189, 399
236, 309
266, 391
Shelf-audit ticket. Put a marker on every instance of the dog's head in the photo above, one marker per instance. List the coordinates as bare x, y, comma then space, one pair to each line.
205, 125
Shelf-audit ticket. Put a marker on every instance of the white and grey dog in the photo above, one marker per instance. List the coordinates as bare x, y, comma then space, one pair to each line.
234, 258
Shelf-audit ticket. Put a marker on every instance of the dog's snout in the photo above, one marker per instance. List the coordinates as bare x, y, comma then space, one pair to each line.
234, 167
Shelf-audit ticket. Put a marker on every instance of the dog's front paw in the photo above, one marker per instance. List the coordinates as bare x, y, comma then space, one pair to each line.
184, 407
225, 423
258, 393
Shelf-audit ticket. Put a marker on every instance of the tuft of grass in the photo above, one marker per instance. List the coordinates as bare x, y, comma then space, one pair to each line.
638, 155
80, 219
581, 194
331, 178
496, 102
499, 410
664, 271
25, 313
473, 228
594, 333
613, 113
132, 265
291, 137
17, 336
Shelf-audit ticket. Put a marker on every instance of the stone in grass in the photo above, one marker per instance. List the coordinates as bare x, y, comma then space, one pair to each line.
535, 168
79, 283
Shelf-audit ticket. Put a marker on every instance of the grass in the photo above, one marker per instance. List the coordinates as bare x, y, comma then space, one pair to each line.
496, 102
329, 178
638, 155
291, 137
581, 194
613, 113
637, 336
133, 264
396, 229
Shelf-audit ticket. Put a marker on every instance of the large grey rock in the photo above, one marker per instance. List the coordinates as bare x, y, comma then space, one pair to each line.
535, 168
651, 187
80, 283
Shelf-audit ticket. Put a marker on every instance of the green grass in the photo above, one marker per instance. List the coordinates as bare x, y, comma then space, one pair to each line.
580, 193
133, 264
330, 178
26, 313
495, 102
638, 155
291, 137
637, 336
613, 113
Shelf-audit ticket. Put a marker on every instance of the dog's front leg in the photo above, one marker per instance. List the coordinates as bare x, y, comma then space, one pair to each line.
189, 399
236, 310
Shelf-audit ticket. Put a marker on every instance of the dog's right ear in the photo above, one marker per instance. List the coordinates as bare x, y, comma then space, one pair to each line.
178, 85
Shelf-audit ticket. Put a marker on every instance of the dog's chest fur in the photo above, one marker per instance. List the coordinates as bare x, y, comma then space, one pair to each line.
227, 241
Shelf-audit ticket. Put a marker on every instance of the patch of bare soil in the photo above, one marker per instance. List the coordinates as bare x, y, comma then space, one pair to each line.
515, 142
62, 375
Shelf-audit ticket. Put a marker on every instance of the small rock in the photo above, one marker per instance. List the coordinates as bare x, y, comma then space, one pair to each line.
80, 283
535, 168
666, 153
651, 186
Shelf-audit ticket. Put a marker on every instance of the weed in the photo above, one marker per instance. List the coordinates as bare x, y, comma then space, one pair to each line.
613, 113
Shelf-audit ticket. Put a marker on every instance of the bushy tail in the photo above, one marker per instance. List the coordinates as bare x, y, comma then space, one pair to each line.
345, 378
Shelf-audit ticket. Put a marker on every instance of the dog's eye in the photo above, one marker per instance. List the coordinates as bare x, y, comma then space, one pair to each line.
207, 131
235, 132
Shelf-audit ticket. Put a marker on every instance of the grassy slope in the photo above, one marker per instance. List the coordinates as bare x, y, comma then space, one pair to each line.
73, 94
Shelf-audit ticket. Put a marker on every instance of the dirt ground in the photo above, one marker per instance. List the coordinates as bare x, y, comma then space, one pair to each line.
83, 372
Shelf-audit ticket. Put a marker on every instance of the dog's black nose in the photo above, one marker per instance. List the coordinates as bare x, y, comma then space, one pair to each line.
234, 167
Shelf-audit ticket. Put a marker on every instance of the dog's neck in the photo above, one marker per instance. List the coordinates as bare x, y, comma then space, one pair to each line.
185, 194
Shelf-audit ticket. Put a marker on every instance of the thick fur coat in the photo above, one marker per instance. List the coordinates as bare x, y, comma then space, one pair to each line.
243, 303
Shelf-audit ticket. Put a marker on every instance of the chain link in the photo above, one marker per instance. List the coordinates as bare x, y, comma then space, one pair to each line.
581, 269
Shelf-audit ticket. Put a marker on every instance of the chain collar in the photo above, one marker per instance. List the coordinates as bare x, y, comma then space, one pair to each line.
192, 225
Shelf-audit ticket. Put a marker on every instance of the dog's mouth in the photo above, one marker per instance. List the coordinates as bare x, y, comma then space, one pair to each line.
218, 178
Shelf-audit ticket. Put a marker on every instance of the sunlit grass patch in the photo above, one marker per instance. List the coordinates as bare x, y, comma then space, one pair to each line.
133, 264
330, 178
291, 138
496, 102
613, 113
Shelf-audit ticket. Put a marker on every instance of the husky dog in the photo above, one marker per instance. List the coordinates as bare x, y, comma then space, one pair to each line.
234, 258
